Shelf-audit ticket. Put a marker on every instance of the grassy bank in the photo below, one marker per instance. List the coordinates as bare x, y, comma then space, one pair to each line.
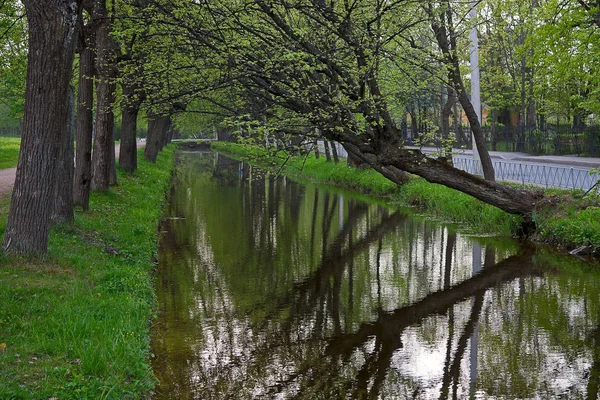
9, 152
568, 221
76, 324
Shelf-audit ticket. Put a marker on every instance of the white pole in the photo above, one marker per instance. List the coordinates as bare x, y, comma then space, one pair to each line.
475, 90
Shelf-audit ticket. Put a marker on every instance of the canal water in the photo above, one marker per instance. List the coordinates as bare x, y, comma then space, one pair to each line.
272, 289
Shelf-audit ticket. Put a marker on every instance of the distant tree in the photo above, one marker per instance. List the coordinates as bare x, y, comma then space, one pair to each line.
567, 43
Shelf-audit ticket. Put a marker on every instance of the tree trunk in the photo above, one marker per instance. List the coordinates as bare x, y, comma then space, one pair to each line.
445, 36
336, 158
168, 136
445, 113
522, 117
52, 28
513, 201
129, 113
493, 129
327, 152
414, 125
103, 155
460, 133
63, 189
158, 127
84, 124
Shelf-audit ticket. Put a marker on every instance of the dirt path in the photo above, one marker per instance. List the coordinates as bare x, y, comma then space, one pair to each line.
7, 180
7, 176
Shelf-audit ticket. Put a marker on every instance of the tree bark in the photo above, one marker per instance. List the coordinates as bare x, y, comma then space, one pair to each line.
334, 153
103, 155
445, 113
445, 37
327, 152
158, 127
84, 124
63, 189
52, 29
129, 114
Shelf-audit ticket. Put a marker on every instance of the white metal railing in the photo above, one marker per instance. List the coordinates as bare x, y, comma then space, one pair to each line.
556, 176
549, 176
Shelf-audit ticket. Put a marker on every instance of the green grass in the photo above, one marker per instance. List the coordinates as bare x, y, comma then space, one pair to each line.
76, 324
565, 220
450, 205
9, 152
569, 220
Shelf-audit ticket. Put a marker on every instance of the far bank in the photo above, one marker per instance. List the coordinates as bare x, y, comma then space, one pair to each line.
569, 221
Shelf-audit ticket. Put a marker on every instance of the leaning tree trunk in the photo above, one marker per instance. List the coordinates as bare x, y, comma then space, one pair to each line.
158, 127
63, 189
84, 124
52, 26
391, 158
103, 155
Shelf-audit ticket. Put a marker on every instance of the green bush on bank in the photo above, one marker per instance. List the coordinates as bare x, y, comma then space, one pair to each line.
577, 224
76, 324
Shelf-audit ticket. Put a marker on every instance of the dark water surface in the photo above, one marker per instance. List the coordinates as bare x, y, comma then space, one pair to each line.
269, 288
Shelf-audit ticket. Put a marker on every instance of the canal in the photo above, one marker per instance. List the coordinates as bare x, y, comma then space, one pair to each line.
272, 289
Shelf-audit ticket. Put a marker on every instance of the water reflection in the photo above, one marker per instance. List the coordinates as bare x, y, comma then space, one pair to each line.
272, 289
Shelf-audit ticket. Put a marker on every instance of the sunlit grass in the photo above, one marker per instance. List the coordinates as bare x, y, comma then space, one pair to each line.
9, 152
76, 324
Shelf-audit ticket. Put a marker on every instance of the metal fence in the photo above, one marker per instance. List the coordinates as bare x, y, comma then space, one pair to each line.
549, 176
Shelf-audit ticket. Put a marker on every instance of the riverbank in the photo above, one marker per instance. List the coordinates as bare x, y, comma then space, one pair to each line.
76, 324
569, 221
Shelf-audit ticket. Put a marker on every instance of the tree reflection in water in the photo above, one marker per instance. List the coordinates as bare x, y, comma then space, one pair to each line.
272, 289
